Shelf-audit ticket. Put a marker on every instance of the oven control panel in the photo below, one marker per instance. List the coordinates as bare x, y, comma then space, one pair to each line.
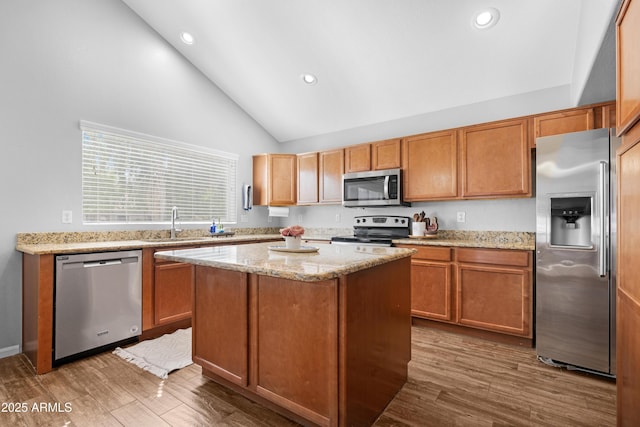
386, 221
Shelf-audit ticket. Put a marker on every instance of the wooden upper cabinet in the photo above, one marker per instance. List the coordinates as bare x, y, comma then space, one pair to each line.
307, 178
385, 154
274, 179
373, 156
429, 163
496, 160
331, 168
357, 158
563, 122
628, 66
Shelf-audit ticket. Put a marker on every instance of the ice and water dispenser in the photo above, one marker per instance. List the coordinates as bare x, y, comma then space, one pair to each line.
571, 221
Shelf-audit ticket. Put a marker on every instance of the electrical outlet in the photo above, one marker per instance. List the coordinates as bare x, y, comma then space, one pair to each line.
67, 217
461, 217
299, 218
337, 217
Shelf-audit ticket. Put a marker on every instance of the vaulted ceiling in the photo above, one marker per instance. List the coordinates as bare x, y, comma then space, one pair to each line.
382, 60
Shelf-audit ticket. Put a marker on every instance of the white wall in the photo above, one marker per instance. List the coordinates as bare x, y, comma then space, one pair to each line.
94, 60
481, 215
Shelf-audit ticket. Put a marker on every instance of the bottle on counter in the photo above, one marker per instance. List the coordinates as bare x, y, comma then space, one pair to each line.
212, 229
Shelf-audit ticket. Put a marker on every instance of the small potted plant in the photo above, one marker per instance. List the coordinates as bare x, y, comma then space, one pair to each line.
292, 236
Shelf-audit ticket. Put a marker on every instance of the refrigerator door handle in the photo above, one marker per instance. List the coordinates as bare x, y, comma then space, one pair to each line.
604, 196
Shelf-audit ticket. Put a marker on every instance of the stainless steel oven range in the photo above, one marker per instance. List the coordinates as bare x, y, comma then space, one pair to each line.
375, 230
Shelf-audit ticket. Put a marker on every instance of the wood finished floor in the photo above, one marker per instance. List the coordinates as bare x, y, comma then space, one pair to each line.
453, 381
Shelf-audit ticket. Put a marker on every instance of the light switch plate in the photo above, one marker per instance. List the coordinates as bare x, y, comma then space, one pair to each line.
461, 217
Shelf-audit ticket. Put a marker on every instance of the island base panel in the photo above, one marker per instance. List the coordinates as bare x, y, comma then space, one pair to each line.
376, 339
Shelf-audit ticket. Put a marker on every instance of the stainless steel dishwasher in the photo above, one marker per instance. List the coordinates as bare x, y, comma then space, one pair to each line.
98, 301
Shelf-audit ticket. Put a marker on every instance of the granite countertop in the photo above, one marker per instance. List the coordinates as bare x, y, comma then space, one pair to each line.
329, 262
79, 242
476, 239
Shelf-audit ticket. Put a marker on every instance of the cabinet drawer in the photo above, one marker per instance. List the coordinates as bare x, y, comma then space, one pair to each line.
432, 253
494, 256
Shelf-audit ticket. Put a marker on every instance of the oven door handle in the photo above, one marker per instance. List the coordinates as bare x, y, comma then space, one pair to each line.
386, 187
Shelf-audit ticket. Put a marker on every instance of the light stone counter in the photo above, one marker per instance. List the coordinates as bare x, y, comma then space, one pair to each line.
476, 239
81, 242
330, 261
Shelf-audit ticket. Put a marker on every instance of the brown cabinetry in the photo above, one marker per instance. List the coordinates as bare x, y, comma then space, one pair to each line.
220, 333
494, 290
430, 165
329, 352
331, 168
432, 289
628, 159
495, 160
172, 291
386, 154
628, 65
563, 122
373, 156
487, 289
357, 158
307, 178
274, 179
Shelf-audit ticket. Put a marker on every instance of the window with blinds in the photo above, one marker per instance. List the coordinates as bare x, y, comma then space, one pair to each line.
128, 177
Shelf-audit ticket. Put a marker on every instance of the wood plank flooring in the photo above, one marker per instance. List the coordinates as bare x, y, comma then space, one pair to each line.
454, 380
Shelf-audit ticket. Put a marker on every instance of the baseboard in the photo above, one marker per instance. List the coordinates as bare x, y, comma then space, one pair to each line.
9, 351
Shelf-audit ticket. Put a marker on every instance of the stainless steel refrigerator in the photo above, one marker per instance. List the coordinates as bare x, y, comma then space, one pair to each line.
575, 250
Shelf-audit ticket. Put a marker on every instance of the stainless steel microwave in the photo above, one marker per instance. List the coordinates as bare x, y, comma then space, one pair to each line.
373, 188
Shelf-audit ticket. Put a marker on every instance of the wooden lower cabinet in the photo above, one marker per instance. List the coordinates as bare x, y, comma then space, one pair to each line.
488, 289
172, 292
328, 353
296, 364
432, 283
220, 338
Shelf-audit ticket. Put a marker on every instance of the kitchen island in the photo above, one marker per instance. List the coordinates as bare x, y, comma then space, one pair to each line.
322, 337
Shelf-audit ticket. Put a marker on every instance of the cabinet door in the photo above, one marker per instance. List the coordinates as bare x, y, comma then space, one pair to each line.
494, 298
220, 323
385, 154
307, 178
357, 158
297, 322
331, 170
431, 290
628, 289
628, 65
496, 160
563, 122
274, 179
172, 292
430, 166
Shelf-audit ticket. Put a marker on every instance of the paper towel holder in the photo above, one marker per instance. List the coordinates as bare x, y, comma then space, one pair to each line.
247, 197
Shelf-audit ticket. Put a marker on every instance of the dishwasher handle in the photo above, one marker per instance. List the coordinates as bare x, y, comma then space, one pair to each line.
100, 263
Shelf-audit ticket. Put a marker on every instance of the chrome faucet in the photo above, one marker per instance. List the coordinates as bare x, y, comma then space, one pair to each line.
174, 216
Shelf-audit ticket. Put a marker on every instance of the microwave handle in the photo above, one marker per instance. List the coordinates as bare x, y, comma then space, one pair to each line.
386, 187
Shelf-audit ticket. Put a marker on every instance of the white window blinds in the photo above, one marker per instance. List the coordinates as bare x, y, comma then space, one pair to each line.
128, 177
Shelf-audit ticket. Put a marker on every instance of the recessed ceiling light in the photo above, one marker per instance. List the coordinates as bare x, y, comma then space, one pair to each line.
309, 79
486, 18
187, 38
